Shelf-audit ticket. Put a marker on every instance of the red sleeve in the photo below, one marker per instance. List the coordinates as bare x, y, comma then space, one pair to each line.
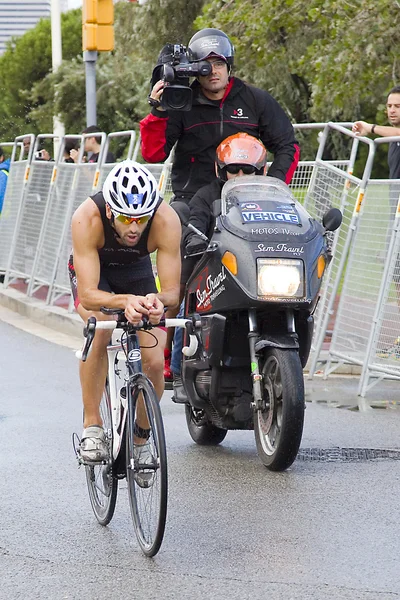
294, 164
153, 138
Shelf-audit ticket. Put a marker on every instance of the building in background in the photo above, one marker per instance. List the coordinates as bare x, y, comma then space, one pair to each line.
17, 16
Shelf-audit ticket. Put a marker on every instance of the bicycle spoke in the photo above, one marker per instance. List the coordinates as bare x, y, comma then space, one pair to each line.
102, 485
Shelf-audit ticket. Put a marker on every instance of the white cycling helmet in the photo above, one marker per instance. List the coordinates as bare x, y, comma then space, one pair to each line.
130, 189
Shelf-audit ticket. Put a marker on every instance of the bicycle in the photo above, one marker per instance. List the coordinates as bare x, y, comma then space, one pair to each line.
129, 398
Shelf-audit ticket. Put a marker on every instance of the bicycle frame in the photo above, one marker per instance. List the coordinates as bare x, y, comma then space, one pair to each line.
132, 365
119, 405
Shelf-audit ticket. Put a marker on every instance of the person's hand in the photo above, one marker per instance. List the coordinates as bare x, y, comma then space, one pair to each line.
135, 308
74, 155
195, 244
361, 128
155, 307
157, 92
45, 155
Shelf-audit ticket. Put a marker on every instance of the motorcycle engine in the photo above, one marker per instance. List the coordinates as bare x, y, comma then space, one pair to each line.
203, 383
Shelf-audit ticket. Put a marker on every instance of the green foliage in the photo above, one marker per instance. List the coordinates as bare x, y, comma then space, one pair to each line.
122, 76
27, 60
324, 60
321, 59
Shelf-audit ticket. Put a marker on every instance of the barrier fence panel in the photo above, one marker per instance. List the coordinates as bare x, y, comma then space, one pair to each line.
32, 213
58, 195
331, 187
105, 167
361, 286
383, 347
302, 176
11, 206
84, 183
15, 191
53, 229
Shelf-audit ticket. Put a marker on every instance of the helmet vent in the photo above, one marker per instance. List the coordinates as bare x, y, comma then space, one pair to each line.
131, 189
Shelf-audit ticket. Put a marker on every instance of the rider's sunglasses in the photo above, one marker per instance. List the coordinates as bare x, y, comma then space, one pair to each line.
128, 220
246, 169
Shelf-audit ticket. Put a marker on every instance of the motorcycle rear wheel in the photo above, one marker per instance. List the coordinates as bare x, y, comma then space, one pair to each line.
201, 430
278, 428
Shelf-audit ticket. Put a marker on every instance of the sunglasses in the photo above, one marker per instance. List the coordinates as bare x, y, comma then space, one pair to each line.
246, 169
128, 220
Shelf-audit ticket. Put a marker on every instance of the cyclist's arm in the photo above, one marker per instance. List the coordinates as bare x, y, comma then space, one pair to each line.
87, 237
166, 238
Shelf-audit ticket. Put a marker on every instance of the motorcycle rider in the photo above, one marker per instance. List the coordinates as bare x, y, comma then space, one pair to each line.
222, 105
239, 154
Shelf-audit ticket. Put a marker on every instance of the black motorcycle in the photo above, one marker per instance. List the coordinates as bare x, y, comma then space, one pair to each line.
251, 299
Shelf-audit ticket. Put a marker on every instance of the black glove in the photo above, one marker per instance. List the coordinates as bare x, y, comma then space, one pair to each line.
195, 244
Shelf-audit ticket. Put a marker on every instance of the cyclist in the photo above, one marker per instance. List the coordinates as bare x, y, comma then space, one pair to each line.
113, 234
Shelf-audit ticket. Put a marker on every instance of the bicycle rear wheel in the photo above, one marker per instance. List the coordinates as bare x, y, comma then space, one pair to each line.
101, 481
147, 479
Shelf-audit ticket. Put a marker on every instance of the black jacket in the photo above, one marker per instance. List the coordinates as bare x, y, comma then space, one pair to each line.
198, 132
200, 208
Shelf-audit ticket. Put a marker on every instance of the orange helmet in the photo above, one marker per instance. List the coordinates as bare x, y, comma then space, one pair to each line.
241, 149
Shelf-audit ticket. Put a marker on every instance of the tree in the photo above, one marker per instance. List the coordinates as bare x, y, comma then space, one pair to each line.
318, 58
26, 60
122, 76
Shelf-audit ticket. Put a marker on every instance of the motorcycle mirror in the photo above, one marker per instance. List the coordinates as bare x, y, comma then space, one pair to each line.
216, 208
182, 210
332, 219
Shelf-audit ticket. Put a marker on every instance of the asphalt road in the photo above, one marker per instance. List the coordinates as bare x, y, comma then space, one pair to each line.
324, 530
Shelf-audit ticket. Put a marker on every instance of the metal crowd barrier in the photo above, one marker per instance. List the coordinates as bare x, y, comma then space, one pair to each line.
363, 278
332, 187
361, 291
382, 348
35, 237
16, 190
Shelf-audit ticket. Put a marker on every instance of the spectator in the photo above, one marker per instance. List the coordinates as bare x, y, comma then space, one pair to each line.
393, 113
40, 154
26, 146
92, 147
69, 146
364, 128
4, 171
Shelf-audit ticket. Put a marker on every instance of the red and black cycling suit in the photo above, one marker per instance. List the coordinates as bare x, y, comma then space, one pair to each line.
199, 131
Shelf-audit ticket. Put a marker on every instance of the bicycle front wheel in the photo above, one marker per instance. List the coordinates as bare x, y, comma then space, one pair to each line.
101, 480
146, 467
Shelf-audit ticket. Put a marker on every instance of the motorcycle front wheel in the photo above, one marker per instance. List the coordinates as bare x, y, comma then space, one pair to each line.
201, 430
278, 425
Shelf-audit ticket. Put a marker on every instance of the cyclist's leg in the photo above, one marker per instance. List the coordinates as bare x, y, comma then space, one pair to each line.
153, 367
153, 358
93, 371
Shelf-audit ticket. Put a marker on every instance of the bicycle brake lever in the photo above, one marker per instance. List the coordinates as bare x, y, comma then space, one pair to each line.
88, 332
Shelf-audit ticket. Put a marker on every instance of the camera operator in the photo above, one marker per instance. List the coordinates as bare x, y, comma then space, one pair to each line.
221, 105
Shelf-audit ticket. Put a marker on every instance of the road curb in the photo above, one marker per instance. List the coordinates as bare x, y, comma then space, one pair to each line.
53, 317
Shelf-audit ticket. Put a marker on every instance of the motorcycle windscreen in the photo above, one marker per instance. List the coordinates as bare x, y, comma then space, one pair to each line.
252, 202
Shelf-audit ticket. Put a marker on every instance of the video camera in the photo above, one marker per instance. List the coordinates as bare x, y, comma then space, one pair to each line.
175, 69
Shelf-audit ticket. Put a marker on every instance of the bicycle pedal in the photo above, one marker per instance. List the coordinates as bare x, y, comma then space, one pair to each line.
76, 442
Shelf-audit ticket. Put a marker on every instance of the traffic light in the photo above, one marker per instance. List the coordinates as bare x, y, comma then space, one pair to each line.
98, 25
